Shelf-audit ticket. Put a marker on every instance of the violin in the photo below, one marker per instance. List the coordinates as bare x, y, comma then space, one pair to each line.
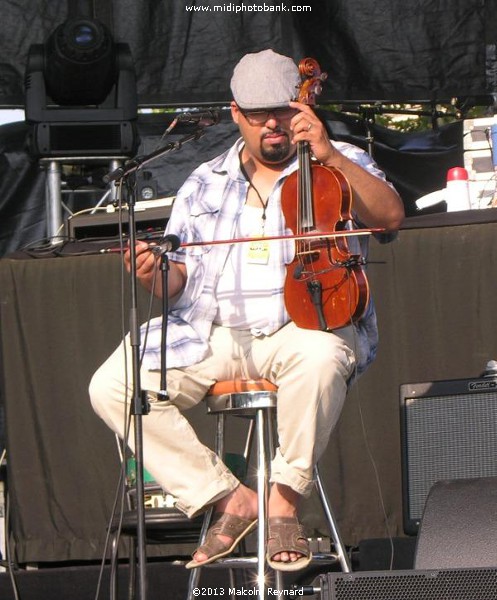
325, 285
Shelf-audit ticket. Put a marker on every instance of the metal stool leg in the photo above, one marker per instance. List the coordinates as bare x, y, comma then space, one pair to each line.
330, 517
262, 496
194, 577
114, 568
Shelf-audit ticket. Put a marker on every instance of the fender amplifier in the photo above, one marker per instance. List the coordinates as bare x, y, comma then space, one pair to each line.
448, 431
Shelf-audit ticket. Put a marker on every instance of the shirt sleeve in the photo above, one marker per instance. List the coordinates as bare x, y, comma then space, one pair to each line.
364, 159
179, 219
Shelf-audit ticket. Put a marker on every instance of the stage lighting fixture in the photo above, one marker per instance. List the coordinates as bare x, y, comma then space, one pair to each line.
81, 93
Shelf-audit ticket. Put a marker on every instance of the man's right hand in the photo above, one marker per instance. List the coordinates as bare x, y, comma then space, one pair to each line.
146, 264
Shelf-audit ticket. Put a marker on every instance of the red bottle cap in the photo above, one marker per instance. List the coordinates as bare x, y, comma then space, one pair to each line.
457, 174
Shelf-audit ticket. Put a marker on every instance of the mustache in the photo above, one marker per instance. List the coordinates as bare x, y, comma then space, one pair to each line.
277, 131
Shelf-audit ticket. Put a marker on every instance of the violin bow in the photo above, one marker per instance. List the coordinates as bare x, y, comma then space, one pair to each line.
299, 237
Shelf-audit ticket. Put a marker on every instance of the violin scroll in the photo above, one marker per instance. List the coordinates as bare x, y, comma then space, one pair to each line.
312, 78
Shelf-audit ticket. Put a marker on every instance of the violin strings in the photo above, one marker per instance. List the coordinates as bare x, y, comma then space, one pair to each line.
305, 213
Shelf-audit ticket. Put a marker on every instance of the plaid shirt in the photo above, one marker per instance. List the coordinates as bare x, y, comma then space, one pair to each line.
207, 207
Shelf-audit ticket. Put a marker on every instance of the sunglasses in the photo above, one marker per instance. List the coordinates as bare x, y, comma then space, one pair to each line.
258, 117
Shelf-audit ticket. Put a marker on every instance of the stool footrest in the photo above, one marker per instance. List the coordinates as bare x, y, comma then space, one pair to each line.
244, 562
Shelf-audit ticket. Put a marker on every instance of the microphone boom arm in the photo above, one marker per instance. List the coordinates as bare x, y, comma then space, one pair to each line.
136, 163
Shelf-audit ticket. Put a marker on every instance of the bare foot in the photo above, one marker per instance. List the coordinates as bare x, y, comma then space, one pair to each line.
242, 502
283, 502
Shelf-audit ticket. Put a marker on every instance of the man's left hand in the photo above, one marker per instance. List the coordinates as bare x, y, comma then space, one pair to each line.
307, 127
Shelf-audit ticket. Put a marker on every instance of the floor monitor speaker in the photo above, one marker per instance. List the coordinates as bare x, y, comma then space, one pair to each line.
453, 584
458, 527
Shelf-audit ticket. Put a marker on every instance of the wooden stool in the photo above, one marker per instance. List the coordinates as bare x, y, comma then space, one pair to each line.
257, 399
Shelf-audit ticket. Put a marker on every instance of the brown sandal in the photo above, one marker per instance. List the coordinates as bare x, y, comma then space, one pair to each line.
286, 534
222, 524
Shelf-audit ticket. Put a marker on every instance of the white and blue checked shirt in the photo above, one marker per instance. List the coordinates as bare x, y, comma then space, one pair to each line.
207, 207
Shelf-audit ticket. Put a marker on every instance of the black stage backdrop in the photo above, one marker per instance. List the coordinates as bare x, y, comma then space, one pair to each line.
60, 318
185, 50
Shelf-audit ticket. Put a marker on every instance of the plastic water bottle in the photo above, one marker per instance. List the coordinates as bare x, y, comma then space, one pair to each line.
457, 190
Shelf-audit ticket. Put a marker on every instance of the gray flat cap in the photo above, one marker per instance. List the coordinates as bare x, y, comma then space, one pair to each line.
265, 80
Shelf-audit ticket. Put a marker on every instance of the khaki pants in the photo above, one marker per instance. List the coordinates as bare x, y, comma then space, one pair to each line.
311, 369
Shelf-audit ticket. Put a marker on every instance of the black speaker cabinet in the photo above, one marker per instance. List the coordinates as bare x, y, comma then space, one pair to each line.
448, 431
458, 528
448, 584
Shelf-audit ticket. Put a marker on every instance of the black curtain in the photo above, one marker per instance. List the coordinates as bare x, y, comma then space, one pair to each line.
22, 191
185, 51
416, 163
403, 51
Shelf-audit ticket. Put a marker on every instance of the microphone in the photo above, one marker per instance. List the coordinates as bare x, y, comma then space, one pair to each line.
169, 243
202, 118
119, 172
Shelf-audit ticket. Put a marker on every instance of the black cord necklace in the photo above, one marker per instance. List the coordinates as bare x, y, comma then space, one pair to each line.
251, 185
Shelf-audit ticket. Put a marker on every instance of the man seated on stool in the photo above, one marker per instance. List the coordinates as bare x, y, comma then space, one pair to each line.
229, 319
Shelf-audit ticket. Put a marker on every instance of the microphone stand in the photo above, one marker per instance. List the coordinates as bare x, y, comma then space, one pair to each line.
163, 395
139, 403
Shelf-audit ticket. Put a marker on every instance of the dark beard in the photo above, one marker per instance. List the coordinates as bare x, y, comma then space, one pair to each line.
276, 153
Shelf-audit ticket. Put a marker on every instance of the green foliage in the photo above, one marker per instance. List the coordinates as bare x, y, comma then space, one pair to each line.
409, 118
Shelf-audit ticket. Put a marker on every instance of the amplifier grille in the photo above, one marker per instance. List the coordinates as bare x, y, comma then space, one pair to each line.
448, 584
449, 438
449, 431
